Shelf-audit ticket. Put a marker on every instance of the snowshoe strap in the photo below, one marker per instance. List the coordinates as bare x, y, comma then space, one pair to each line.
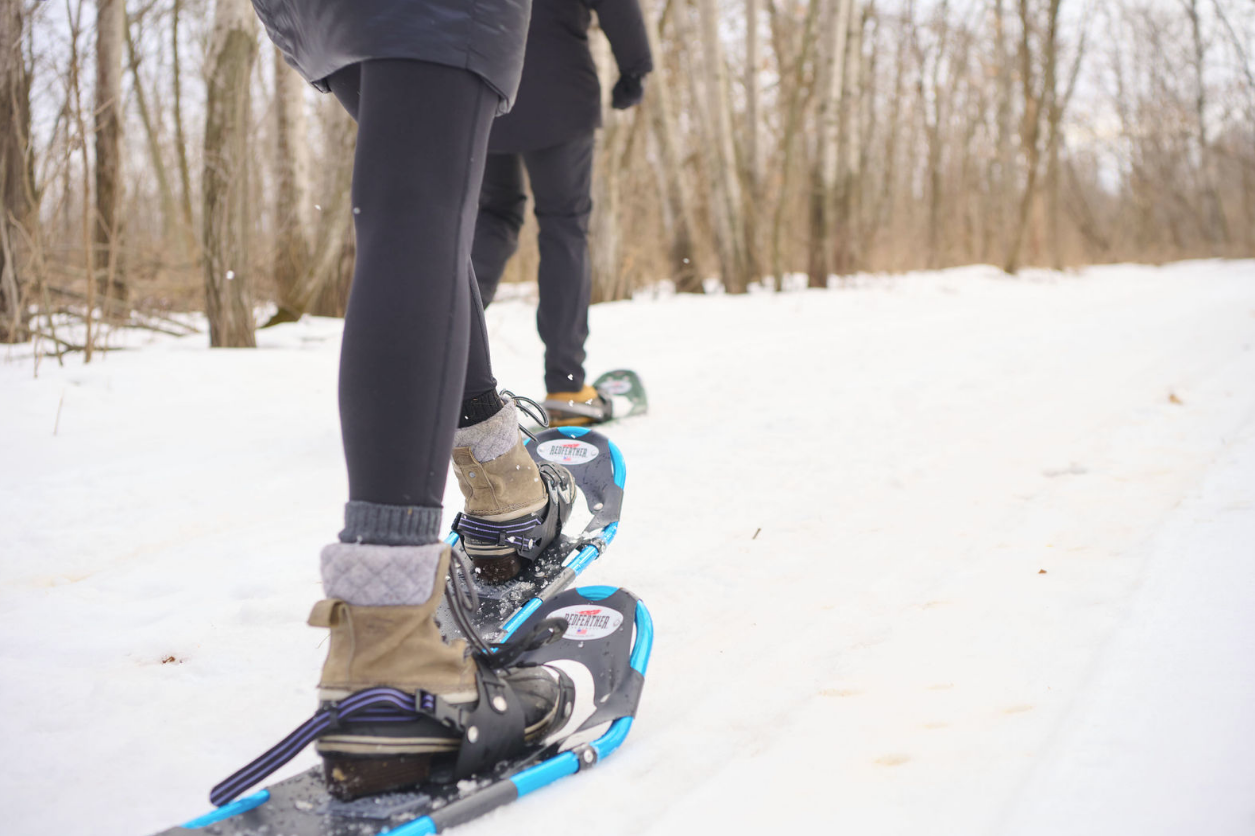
374, 705
493, 729
523, 534
526, 535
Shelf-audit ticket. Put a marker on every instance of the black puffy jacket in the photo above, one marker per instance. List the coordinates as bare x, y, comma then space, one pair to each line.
318, 37
560, 96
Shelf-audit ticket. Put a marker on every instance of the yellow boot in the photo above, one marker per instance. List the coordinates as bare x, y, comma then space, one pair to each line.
577, 409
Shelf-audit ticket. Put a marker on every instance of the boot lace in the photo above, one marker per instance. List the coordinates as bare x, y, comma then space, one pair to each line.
531, 409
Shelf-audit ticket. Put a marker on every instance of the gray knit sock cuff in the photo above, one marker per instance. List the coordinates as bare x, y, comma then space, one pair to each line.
492, 438
380, 576
390, 525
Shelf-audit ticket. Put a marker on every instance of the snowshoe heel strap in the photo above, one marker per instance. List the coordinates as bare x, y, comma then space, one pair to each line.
491, 731
524, 535
375, 705
527, 535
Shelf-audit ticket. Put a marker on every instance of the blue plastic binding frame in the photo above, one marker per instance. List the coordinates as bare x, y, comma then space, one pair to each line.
527, 781
604, 745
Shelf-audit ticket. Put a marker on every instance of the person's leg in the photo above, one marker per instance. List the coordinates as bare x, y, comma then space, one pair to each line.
561, 179
501, 204
422, 139
479, 398
346, 86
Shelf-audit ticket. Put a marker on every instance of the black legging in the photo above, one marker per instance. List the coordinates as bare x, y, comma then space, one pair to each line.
414, 315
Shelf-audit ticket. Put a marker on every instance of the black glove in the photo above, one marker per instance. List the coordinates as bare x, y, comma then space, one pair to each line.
628, 91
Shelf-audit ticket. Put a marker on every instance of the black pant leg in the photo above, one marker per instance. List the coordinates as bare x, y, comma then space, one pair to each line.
501, 204
421, 145
562, 180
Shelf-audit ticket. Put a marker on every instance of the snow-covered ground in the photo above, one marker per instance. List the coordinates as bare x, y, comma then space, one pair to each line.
946, 553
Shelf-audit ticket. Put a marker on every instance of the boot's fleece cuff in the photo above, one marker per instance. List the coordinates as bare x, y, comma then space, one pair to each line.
492, 438
380, 576
390, 525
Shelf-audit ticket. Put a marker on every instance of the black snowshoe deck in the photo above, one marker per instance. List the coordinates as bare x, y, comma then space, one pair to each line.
609, 637
599, 472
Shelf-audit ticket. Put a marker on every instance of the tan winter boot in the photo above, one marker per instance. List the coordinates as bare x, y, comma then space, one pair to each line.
514, 508
397, 646
400, 647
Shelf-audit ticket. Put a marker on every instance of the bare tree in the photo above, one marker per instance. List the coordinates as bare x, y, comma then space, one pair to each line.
726, 203
853, 134
752, 162
605, 249
830, 88
793, 108
15, 201
169, 214
292, 205
75, 14
180, 141
110, 25
676, 191
322, 288
1035, 106
1216, 227
226, 157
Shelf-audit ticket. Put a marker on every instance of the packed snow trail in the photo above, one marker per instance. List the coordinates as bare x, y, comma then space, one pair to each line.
842, 504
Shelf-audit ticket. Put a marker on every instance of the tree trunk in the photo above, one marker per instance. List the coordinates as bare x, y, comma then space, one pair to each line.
848, 188
292, 204
323, 288
15, 165
824, 164
940, 97
110, 25
796, 105
1216, 227
753, 172
1003, 183
180, 142
677, 193
225, 176
85, 206
1034, 106
605, 239
726, 206
169, 214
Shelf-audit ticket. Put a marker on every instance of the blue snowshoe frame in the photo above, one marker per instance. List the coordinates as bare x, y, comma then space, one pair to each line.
512, 783
504, 606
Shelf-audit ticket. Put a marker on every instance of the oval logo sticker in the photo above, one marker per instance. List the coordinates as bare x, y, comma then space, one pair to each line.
586, 622
618, 386
567, 451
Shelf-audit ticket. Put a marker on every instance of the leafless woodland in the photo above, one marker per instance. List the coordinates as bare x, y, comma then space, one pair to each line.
159, 156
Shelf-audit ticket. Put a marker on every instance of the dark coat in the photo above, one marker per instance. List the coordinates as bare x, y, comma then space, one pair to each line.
318, 37
560, 96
